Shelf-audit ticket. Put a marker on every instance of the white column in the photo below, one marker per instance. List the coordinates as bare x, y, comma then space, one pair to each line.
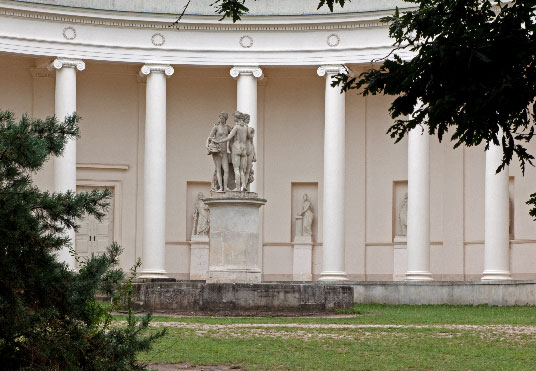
246, 102
334, 166
65, 166
497, 218
154, 179
418, 205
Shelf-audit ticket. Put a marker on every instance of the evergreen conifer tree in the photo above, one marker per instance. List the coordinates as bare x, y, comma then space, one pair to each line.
49, 317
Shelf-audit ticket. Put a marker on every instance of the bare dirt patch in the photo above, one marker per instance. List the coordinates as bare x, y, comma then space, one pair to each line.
311, 331
528, 330
189, 367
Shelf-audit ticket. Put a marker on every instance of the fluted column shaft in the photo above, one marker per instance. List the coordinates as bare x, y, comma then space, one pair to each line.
65, 165
418, 205
496, 225
246, 102
154, 180
333, 266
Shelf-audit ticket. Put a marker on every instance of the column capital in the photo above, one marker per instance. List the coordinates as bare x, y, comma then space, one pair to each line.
254, 71
149, 68
59, 63
332, 69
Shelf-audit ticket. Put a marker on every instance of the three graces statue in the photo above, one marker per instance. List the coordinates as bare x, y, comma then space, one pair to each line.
236, 142
233, 152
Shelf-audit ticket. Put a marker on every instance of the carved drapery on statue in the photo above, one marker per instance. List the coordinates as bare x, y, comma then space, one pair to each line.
304, 219
201, 217
403, 215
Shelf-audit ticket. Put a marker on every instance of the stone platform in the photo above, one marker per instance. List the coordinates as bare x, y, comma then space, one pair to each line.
503, 293
301, 298
198, 297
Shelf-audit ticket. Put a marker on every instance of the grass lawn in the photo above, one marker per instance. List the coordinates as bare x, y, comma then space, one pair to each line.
381, 338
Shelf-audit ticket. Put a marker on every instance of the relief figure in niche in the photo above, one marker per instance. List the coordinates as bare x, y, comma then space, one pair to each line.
219, 152
307, 214
201, 217
237, 139
403, 216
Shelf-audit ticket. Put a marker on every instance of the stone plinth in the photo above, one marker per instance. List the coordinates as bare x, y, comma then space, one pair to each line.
400, 258
303, 258
199, 250
234, 237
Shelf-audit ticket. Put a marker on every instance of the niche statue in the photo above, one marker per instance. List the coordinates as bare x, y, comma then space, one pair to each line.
201, 217
304, 226
403, 215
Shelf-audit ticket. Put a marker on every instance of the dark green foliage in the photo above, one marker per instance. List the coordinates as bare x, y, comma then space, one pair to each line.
49, 318
233, 9
474, 72
532, 202
330, 3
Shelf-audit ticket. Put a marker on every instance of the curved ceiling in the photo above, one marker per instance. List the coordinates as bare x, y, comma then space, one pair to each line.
203, 7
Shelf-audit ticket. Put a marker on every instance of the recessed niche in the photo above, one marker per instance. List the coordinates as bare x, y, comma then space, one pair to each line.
192, 189
299, 189
399, 207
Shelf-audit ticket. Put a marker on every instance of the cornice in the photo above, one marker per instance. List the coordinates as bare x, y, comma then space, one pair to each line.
197, 23
276, 8
254, 71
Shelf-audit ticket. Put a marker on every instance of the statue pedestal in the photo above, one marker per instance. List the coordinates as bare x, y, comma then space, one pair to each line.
303, 258
234, 237
199, 249
400, 258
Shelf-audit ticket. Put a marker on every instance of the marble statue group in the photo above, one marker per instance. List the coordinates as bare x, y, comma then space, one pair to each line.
233, 233
233, 152
232, 148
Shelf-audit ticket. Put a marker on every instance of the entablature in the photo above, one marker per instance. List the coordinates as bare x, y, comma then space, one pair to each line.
44, 30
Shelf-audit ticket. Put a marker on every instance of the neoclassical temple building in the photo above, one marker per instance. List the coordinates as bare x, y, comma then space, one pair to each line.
149, 93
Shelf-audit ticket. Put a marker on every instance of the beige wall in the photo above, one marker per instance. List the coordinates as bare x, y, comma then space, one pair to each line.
111, 100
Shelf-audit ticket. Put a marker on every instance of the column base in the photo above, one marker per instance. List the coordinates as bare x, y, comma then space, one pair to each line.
153, 274
333, 276
495, 275
418, 276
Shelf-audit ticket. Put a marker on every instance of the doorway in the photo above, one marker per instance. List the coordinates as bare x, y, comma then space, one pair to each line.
93, 236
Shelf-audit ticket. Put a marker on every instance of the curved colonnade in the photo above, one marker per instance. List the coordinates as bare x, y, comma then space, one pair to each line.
334, 43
